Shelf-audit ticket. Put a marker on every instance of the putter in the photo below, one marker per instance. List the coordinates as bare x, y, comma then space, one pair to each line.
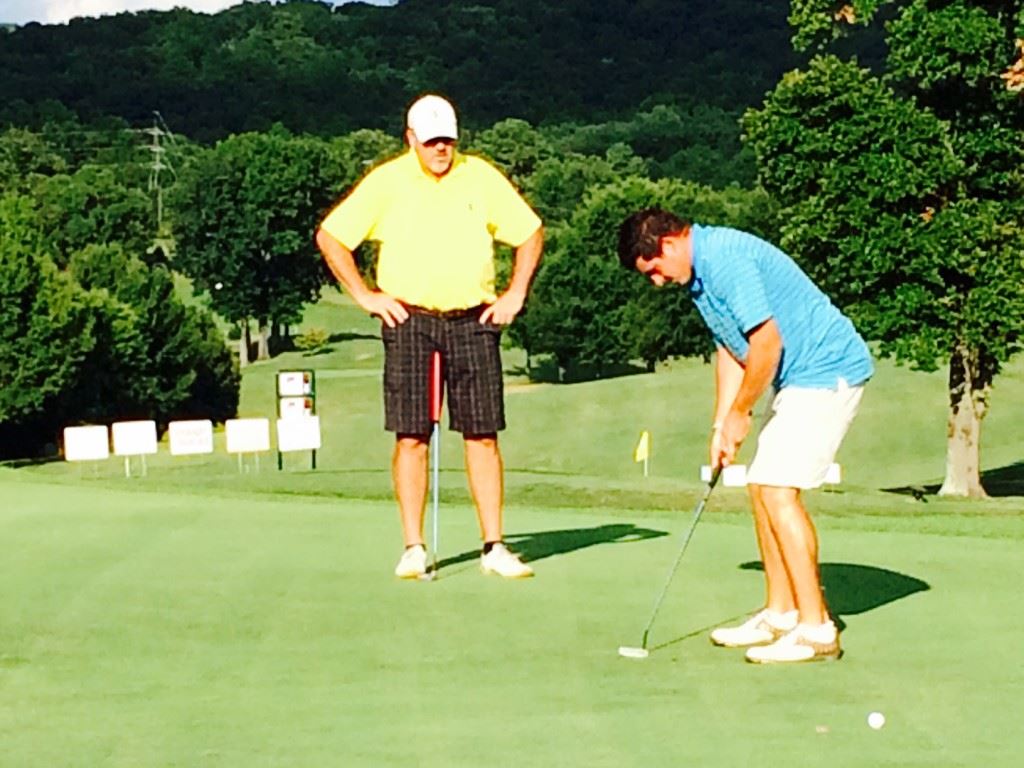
641, 651
436, 398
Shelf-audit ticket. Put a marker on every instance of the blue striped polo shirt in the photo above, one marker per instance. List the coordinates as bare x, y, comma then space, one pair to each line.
740, 281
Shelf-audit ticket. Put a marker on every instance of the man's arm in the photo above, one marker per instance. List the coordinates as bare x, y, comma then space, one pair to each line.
728, 377
504, 310
343, 266
762, 362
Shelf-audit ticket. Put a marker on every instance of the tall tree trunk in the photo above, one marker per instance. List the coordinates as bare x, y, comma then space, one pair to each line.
970, 379
274, 345
244, 340
263, 342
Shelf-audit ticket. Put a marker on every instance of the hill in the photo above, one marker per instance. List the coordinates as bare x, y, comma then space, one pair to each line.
327, 71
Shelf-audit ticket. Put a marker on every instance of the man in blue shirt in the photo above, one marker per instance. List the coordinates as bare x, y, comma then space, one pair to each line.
773, 328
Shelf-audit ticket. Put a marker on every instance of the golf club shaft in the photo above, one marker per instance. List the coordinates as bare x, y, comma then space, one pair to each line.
682, 550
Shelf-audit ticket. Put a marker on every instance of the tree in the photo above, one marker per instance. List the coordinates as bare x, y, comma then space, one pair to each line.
46, 323
245, 212
514, 146
23, 156
585, 310
47, 329
93, 206
104, 340
164, 360
902, 192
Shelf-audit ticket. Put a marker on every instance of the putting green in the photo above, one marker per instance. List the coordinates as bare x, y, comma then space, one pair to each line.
144, 628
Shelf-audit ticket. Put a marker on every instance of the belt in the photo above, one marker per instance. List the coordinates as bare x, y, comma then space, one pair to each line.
447, 314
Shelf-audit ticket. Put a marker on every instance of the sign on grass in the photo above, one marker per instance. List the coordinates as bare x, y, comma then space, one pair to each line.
296, 394
733, 476
298, 434
290, 407
294, 383
736, 475
187, 438
247, 435
86, 443
134, 438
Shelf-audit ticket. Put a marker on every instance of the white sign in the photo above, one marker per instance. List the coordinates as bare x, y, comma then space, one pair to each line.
134, 438
290, 407
86, 443
298, 434
247, 435
190, 437
736, 474
834, 474
733, 476
294, 383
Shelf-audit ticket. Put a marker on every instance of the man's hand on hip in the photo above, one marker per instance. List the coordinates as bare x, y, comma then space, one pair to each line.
387, 308
504, 310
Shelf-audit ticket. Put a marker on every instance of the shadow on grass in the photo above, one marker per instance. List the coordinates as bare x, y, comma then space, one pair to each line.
337, 338
547, 371
1003, 481
541, 544
849, 588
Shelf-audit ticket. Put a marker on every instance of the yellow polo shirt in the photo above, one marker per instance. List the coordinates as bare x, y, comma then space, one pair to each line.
436, 235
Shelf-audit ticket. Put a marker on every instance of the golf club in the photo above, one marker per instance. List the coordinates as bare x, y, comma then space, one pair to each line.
436, 398
641, 652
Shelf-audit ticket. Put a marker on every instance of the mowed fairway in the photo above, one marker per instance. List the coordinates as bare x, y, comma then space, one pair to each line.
202, 616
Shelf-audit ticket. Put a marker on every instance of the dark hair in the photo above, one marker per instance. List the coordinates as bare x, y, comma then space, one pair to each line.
640, 234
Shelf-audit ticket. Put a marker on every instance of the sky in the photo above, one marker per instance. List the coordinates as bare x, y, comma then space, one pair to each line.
59, 11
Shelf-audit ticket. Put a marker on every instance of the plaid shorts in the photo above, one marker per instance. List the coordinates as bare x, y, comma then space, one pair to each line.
471, 369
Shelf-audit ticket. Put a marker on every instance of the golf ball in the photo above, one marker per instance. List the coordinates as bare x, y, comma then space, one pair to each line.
218, 285
876, 720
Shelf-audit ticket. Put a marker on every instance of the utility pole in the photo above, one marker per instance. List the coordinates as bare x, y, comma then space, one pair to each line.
159, 163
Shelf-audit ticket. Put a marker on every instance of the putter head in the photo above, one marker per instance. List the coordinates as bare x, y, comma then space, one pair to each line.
429, 575
632, 652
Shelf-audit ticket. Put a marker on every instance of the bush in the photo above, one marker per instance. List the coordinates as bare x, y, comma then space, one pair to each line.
312, 340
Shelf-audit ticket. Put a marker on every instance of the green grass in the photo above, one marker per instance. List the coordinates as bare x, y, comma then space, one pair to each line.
206, 616
194, 629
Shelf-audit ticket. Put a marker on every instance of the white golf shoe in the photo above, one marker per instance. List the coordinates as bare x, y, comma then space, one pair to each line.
502, 562
413, 563
802, 644
760, 629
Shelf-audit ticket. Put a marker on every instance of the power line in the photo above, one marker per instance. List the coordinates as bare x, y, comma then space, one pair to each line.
159, 163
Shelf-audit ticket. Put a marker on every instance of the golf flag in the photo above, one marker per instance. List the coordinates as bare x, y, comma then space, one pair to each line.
643, 448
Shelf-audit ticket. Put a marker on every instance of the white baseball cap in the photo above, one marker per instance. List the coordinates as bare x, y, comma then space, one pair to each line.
432, 117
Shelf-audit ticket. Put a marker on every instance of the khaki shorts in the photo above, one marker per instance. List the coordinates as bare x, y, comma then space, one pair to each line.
802, 431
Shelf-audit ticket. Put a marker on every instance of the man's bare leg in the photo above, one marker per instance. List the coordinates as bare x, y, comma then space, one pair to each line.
485, 472
780, 596
798, 545
409, 474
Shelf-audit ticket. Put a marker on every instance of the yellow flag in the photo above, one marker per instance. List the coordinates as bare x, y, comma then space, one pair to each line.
643, 448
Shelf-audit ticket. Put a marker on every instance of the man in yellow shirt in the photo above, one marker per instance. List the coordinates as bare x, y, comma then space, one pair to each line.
436, 214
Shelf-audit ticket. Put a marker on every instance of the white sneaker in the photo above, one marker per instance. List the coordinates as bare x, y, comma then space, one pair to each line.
502, 562
802, 644
759, 629
413, 563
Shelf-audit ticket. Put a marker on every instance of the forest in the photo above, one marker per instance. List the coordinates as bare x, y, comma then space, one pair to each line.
879, 142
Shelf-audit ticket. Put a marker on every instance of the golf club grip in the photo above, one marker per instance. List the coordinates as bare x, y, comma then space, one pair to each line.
436, 388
